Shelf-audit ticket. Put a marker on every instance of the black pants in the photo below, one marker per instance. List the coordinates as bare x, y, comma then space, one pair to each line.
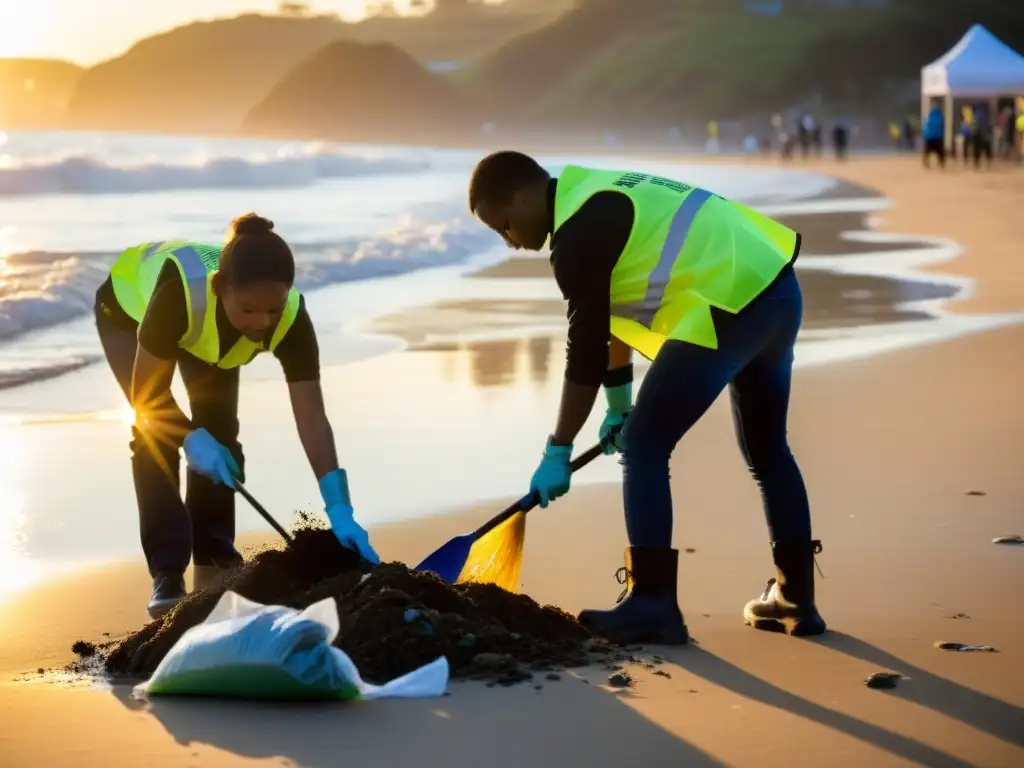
203, 527
982, 148
935, 147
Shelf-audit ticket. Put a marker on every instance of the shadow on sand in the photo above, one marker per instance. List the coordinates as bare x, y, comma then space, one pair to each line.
722, 673
978, 710
566, 722
569, 722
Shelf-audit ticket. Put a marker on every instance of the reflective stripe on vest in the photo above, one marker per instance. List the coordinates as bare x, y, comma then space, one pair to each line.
644, 311
196, 273
689, 250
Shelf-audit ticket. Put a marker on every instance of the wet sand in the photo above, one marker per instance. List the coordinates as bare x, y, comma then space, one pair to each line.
890, 446
831, 300
978, 209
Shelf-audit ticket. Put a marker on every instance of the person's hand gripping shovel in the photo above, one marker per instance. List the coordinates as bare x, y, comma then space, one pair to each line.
493, 553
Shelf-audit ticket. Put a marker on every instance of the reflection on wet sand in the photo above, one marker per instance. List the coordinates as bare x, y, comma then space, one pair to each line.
842, 301
538, 351
493, 340
427, 326
825, 234
830, 301
496, 363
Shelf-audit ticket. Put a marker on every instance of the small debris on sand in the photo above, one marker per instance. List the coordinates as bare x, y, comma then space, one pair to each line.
948, 646
1013, 539
976, 493
620, 680
83, 649
883, 680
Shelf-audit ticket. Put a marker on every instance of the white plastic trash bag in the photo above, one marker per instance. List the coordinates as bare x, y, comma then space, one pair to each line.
254, 651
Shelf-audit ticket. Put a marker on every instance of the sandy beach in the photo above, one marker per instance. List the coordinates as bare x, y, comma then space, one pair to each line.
890, 446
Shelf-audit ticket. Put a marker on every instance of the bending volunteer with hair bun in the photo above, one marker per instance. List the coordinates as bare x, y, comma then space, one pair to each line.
704, 287
208, 310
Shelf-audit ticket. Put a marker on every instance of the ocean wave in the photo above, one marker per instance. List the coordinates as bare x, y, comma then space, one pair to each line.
39, 289
87, 175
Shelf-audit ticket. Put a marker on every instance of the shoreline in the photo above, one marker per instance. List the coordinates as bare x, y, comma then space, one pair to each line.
44, 355
852, 194
926, 316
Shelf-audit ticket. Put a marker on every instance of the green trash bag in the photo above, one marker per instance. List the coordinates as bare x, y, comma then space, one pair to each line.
252, 651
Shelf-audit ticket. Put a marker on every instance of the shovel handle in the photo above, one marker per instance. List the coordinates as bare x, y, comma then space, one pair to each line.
263, 513
531, 500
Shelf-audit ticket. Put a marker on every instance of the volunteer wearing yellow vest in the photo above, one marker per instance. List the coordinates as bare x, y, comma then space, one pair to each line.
209, 309
705, 288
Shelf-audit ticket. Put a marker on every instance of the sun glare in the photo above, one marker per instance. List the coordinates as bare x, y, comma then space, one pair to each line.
126, 415
16, 569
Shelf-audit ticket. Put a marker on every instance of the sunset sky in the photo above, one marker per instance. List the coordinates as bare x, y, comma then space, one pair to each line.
87, 31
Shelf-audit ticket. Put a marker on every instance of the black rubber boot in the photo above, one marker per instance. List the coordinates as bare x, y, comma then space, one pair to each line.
787, 604
647, 610
168, 590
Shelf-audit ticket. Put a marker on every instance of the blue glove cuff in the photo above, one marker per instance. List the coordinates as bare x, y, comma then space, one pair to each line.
620, 398
195, 435
334, 489
557, 451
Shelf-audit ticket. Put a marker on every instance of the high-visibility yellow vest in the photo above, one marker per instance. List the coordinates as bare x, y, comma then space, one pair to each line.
134, 276
689, 250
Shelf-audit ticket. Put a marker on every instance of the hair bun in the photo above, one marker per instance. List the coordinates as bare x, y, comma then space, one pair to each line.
251, 224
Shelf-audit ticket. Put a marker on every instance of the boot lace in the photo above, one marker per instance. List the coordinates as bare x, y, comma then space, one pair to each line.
816, 548
623, 575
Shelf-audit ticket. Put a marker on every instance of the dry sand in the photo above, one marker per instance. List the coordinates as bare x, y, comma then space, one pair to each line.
889, 445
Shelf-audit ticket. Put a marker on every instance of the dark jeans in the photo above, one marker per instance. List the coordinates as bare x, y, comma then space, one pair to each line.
203, 527
982, 148
755, 360
935, 147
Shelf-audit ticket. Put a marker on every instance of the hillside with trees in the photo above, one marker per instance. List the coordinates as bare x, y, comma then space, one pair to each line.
526, 65
362, 92
206, 76
662, 62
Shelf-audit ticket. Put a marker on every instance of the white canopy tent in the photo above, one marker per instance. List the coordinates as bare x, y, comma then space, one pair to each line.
980, 66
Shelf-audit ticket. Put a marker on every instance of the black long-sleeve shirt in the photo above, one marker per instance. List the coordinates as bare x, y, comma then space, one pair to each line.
166, 322
584, 251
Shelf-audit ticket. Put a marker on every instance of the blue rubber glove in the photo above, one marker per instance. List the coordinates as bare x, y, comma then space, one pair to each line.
209, 458
554, 474
338, 505
620, 400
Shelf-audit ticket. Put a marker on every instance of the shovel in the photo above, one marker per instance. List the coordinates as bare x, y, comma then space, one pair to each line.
450, 558
266, 515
